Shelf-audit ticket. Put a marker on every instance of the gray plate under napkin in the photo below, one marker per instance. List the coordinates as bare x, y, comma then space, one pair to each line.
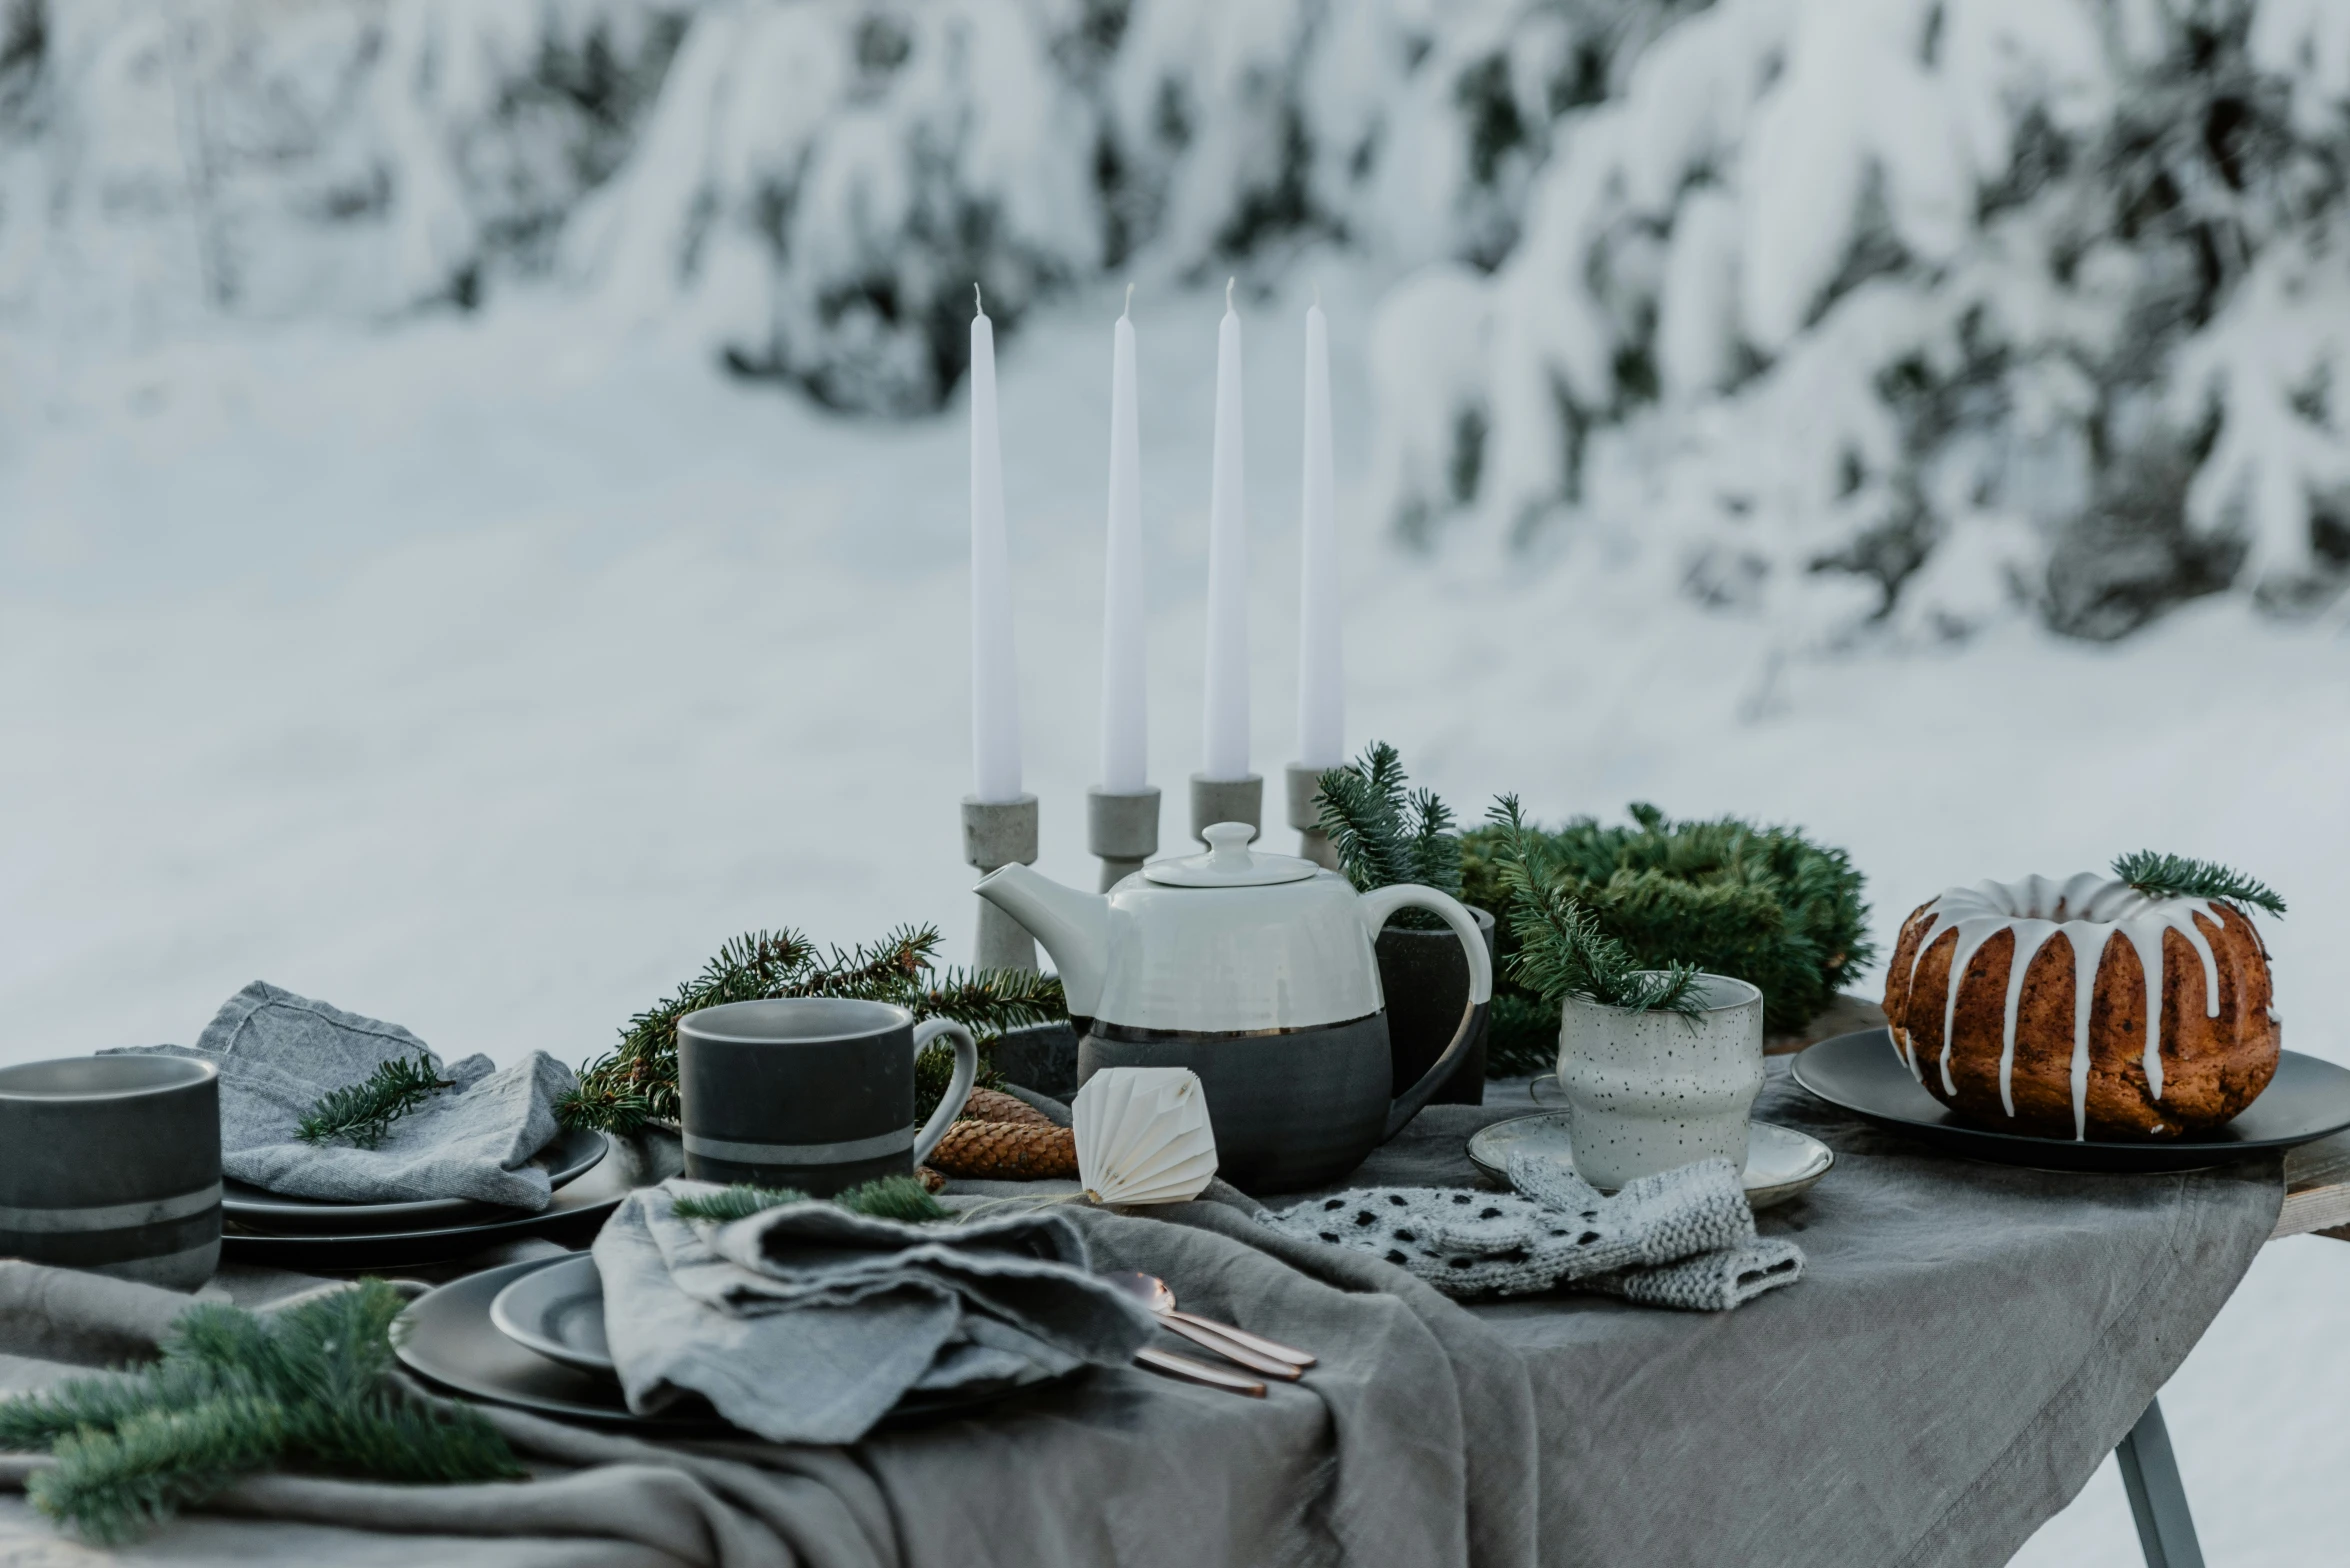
807, 1323
278, 1053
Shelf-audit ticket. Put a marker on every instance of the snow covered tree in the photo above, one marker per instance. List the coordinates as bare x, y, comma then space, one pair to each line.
1973, 303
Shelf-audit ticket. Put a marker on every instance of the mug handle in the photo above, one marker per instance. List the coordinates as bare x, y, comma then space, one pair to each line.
966, 1069
1376, 906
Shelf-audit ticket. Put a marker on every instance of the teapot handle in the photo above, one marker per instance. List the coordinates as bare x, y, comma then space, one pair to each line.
1379, 904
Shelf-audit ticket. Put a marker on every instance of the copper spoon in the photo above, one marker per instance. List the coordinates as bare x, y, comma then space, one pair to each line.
1198, 1372
1255, 1352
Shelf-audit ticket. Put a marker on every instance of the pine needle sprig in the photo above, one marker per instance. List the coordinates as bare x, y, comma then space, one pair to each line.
636, 1082
235, 1394
1562, 950
886, 1198
362, 1113
2176, 876
1384, 834
115, 1486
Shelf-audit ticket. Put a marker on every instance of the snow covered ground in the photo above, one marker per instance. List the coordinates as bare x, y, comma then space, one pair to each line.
485, 673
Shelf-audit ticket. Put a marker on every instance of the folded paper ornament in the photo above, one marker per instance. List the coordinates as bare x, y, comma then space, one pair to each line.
1143, 1135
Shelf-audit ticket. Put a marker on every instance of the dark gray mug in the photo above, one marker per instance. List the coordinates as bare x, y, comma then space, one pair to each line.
810, 1092
112, 1163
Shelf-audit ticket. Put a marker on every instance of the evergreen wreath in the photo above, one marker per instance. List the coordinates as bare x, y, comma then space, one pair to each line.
235, 1394
887, 1198
362, 1113
1761, 904
1561, 950
2175, 876
1384, 834
636, 1082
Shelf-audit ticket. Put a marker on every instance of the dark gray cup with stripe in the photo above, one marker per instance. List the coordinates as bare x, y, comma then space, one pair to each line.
112, 1163
810, 1092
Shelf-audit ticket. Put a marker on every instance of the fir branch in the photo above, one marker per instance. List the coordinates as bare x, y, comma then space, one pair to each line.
235, 1394
1562, 951
900, 1198
738, 1202
362, 1113
1384, 835
115, 1486
2176, 876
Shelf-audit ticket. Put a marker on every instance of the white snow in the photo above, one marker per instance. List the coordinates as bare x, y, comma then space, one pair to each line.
484, 674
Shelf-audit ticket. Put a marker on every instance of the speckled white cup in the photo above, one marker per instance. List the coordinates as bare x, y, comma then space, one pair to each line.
1646, 1092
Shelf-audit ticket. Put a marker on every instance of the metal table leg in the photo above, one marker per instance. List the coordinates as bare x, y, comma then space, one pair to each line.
2150, 1474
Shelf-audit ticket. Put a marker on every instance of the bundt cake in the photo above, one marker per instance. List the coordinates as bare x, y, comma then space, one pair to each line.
2014, 1005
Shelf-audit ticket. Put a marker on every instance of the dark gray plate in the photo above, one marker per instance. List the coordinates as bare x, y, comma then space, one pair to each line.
1861, 1073
447, 1336
577, 1213
573, 1152
558, 1311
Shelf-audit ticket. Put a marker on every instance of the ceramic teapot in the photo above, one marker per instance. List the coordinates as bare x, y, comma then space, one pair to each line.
1256, 972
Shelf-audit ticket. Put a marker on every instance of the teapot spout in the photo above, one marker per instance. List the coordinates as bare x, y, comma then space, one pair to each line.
1074, 927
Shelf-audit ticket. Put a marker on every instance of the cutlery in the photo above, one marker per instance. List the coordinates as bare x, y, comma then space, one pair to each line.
1198, 1372
1253, 1351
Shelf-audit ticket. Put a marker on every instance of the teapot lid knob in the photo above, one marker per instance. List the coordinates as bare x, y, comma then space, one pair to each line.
1228, 846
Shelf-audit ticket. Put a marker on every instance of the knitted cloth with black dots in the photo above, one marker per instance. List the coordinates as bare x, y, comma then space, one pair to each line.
1682, 1238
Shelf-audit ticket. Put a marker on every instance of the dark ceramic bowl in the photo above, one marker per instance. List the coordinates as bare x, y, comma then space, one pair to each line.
112, 1163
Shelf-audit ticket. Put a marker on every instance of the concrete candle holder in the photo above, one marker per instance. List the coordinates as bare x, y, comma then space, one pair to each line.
1122, 828
1227, 800
997, 833
1305, 815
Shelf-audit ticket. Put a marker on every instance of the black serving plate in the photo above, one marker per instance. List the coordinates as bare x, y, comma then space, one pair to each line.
1862, 1073
573, 1218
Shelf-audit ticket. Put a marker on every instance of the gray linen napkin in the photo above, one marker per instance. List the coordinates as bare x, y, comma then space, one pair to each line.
278, 1053
807, 1323
1683, 1238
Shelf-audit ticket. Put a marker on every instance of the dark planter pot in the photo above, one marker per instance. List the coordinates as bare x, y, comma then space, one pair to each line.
1042, 1057
1426, 978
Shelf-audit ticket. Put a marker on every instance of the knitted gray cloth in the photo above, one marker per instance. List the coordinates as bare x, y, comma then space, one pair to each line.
278, 1053
806, 1323
1683, 1238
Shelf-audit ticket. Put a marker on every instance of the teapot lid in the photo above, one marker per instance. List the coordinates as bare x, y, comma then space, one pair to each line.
1229, 862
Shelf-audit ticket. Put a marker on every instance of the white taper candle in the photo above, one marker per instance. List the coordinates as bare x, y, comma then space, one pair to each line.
1321, 671
995, 686
1125, 747
1226, 727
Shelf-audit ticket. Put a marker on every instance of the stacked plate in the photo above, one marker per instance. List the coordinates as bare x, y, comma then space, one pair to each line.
531, 1334
321, 1233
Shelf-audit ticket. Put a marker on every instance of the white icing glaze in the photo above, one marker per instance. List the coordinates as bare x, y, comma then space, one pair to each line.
2088, 911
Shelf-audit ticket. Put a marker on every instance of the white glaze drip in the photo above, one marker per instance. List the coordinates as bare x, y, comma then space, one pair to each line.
2090, 911
1971, 936
2030, 937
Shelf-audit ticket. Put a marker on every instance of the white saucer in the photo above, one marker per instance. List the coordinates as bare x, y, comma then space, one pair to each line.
1780, 1162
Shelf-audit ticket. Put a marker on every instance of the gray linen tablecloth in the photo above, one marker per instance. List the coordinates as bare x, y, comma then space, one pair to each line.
1967, 1344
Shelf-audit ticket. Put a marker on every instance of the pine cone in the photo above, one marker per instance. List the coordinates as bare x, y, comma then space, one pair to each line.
932, 1182
1006, 1151
993, 1105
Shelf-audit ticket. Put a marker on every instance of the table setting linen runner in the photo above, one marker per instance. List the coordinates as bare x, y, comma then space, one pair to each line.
1968, 1343
279, 1053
